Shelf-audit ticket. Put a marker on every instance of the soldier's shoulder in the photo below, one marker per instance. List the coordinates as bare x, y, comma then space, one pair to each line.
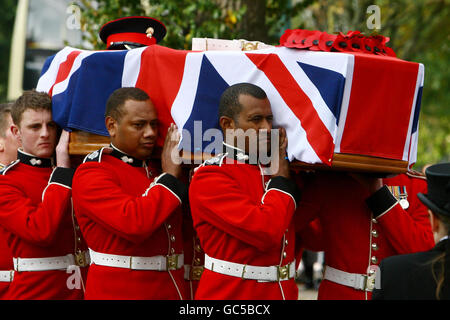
215, 161
97, 155
8, 167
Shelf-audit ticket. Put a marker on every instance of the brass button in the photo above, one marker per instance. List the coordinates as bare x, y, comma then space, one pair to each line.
371, 271
169, 226
284, 254
172, 238
286, 242
375, 233
374, 246
79, 239
374, 260
172, 250
374, 221
197, 261
198, 248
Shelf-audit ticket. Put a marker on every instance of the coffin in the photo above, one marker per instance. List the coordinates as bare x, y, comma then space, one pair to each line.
341, 111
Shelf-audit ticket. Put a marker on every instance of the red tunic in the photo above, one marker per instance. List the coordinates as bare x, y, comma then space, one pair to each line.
6, 263
356, 234
37, 218
237, 220
119, 214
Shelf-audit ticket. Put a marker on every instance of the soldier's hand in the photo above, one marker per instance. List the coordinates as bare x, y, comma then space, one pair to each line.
62, 150
371, 183
170, 156
283, 163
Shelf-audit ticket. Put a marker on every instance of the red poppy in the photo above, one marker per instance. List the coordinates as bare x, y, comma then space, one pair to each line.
326, 41
312, 41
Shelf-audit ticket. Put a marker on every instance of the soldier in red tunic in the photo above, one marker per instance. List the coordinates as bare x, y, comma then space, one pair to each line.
243, 221
362, 221
129, 212
36, 206
8, 153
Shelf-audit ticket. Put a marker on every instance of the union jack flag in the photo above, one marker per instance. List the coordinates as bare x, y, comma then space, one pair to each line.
328, 102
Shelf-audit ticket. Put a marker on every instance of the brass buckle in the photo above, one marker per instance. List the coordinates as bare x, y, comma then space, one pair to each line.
195, 272
283, 272
171, 262
369, 282
80, 259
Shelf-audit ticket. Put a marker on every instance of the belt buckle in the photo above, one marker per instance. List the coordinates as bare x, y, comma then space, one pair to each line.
172, 262
195, 272
368, 282
80, 259
283, 272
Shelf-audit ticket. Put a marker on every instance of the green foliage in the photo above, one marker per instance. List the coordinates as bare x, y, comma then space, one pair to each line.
6, 27
184, 19
419, 31
434, 140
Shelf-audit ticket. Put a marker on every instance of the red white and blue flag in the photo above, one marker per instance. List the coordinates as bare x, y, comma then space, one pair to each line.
328, 102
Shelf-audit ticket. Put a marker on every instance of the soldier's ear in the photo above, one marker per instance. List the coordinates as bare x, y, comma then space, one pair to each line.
226, 123
15, 130
111, 126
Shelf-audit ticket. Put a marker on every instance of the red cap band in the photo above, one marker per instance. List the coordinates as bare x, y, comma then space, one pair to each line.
130, 37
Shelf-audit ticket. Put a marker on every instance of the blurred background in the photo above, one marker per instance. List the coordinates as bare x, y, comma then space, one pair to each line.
419, 31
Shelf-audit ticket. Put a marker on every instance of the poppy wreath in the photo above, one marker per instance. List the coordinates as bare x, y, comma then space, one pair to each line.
353, 41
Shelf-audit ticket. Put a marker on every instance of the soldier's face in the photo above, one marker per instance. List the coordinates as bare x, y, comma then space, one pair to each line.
9, 143
136, 132
37, 132
255, 116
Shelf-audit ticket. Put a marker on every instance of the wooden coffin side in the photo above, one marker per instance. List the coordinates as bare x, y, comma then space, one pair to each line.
82, 143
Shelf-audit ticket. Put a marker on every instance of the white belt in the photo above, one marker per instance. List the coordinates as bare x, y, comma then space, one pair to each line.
156, 263
245, 271
6, 276
354, 280
43, 264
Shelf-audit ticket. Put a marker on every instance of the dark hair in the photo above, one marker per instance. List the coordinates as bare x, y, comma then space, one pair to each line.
30, 99
5, 110
118, 98
229, 105
440, 276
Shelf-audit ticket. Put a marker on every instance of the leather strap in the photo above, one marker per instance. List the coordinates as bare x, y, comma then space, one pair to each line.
244, 271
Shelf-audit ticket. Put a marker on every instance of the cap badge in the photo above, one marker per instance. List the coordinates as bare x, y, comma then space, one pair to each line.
150, 32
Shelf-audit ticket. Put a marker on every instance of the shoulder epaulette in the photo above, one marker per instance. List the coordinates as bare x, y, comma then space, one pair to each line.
96, 156
215, 161
416, 174
9, 166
